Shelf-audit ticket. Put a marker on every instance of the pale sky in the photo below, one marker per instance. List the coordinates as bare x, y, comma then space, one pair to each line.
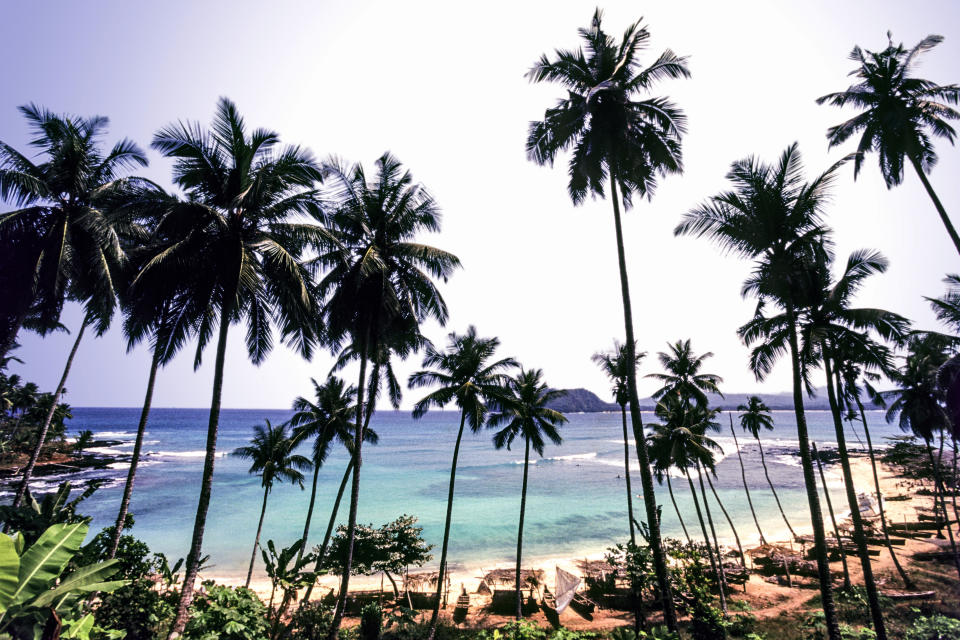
441, 85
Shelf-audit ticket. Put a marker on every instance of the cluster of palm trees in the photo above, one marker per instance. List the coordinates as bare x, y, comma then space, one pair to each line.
325, 256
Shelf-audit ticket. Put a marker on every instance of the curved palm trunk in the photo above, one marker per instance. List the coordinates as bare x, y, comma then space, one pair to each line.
833, 519
716, 545
810, 482
354, 496
938, 493
743, 475
206, 482
646, 478
706, 540
951, 231
306, 524
333, 520
446, 528
675, 508
626, 472
42, 438
523, 508
859, 537
907, 582
766, 473
956, 484
135, 458
736, 537
256, 540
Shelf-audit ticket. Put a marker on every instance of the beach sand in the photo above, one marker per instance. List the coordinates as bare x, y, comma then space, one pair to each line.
767, 599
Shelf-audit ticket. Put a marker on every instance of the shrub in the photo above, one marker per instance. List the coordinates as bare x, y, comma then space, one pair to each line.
519, 630
138, 610
226, 613
371, 621
312, 620
935, 627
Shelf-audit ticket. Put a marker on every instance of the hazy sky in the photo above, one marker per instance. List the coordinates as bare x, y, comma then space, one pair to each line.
441, 85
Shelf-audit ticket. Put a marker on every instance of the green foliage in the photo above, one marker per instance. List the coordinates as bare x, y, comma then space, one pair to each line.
518, 630
935, 627
815, 628
311, 620
656, 633
226, 613
391, 548
83, 441
33, 581
371, 621
740, 623
32, 518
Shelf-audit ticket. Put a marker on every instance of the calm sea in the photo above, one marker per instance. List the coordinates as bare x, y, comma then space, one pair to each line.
576, 498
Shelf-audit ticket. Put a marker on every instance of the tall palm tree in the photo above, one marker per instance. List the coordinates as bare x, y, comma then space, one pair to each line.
614, 366
901, 113
682, 375
754, 417
379, 284
833, 519
917, 403
629, 140
680, 441
271, 457
233, 251
771, 216
743, 476
326, 420
465, 376
522, 412
61, 242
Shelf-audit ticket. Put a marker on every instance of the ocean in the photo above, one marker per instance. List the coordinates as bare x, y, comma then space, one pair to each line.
576, 502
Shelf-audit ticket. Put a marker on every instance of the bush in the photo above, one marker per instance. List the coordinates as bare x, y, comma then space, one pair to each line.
519, 630
312, 620
371, 621
138, 610
935, 627
227, 613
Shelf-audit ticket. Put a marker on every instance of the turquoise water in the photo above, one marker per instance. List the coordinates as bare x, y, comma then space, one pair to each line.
576, 498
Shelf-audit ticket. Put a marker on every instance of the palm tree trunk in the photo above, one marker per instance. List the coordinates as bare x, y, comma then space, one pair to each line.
354, 494
626, 472
956, 485
833, 519
810, 482
736, 537
329, 533
306, 524
716, 544
907, 582
706, 540
951, 231
939, 492
859, 537
766, 473
446, 528
523, 508
256, 540
206, 482
135, 458
42, 438
646, 478
675, 508
743, 475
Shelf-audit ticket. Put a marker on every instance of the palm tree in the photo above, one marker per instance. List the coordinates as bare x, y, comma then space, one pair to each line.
618, 137
754, 417
467, 378
917, 403
680, 441
900, 112
61, 242
271, 457
682, 375
833, 519
327, 420
614, 366
233, 252
775, 219
743, 476
379, 286
522, 412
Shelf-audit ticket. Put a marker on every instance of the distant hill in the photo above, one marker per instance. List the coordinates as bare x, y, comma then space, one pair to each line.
586, 401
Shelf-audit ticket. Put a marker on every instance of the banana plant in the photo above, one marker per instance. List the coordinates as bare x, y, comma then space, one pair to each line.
34, 590
286, 571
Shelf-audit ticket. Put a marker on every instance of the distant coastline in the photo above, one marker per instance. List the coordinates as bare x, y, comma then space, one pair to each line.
585, 401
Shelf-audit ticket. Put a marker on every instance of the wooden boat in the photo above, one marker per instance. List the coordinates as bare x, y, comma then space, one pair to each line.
583, 605
909, 595
914, 526
897, 542
939, 556
549, 600
463, 602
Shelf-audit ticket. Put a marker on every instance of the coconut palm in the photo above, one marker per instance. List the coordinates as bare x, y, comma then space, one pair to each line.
901, 114
522, 412
61, 242
620, 136
743, 476
754, 417
833, 518
773, 217
379, 284
682, 374
614, 366
271, 457
466, 377
917, 403
233, 250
